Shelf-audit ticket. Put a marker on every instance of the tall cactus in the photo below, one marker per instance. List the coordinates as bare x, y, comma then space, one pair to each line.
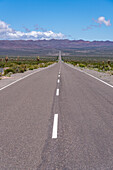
38, 58
6, 59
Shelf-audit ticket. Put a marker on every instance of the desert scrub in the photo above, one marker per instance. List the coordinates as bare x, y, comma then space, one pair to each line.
47, 64
21, 70
9, 74
101, 66
42, 65
81, 65
74, 63
106, 68
8, 70
2, 65
35, 66
31, 68
21, 65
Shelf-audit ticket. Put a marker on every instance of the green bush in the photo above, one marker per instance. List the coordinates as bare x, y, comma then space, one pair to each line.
21, 70
31, 68
42, 65
81, 65
9, 74
19, 62
9, 64
2, 65
35, 66
106, 68
8, 70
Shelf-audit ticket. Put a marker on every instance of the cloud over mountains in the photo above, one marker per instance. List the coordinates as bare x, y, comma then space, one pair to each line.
7, 33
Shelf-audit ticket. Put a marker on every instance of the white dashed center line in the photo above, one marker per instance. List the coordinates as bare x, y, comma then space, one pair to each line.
57, 92
58, 81
55, 126
59, 75
55, 123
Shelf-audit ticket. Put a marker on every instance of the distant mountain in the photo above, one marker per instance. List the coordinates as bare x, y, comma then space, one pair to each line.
44, 47
60, 44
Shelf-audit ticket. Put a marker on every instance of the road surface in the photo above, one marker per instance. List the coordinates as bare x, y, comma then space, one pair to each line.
56, 119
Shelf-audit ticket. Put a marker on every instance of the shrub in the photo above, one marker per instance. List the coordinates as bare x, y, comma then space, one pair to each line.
42, 65
8, 70
106, 68
2, 65
31, 68
81, 65
21, 70
9, 64
19, 62
9, 74
35, 66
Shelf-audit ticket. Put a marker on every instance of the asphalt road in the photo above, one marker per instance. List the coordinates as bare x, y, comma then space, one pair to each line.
56, 119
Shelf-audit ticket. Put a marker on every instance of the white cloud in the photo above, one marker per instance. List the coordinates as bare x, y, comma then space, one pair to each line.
8, 33
101, 20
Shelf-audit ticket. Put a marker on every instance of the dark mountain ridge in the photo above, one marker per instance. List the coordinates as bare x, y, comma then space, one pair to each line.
49, 44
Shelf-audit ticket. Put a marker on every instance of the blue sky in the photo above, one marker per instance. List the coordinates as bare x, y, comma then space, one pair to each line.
46, 19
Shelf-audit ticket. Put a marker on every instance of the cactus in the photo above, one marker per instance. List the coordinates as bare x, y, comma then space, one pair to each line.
6, 59
18, 58
38, 59
103, 62
108, 62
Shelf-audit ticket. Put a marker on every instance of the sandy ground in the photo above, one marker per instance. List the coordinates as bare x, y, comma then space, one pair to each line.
101, 75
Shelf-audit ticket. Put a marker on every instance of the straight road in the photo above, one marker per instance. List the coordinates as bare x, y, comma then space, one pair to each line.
56, 119
25, 115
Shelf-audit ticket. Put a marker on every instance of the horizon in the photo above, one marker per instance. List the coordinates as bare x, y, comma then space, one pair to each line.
39, 20
61, 40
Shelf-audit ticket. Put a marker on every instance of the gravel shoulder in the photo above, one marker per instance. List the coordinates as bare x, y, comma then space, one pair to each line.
7, 80
101, 75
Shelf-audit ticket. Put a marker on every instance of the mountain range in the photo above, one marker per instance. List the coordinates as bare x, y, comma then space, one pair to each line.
61, 44
50, 47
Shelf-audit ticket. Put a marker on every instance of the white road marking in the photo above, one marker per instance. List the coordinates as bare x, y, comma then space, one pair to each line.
93, 77
22, 78
59, 75
58, 81
55, 126
59, 72
57, 92
17, 80
99, 79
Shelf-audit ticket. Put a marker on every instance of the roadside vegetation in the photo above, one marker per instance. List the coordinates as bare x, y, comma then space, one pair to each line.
9, 66
100, 65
